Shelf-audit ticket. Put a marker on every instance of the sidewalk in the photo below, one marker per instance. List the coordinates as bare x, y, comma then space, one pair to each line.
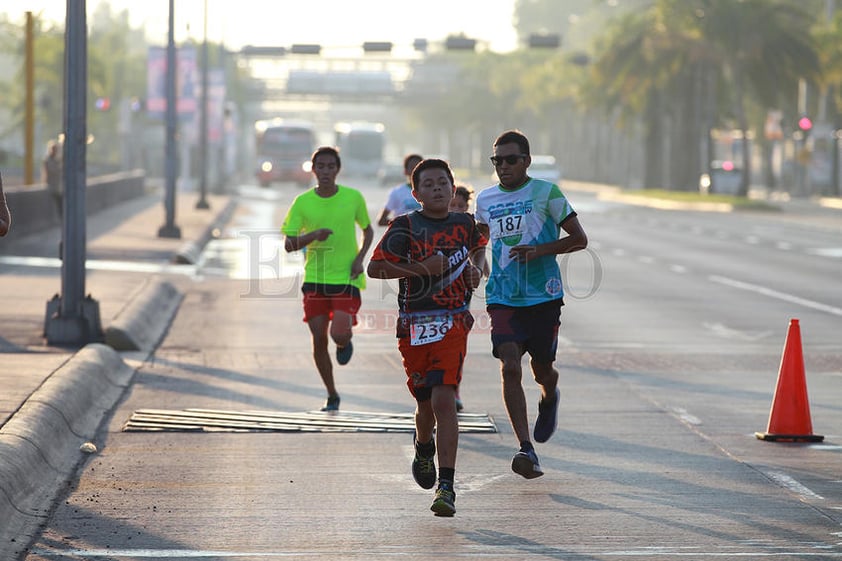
38, 448
823, 212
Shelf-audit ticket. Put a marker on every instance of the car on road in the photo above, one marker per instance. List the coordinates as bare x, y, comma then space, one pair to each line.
724, 178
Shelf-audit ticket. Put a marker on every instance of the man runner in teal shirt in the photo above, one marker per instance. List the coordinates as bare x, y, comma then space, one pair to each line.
523, 218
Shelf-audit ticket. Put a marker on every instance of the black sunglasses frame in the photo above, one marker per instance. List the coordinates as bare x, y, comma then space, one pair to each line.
511, 159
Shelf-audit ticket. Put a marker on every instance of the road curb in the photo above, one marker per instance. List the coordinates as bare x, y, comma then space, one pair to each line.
190, 252
40, 443
143, 322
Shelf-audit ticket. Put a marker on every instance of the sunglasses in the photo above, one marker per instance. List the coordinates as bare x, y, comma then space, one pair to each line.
511, 159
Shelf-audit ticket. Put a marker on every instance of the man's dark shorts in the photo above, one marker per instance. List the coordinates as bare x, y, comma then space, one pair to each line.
534, 328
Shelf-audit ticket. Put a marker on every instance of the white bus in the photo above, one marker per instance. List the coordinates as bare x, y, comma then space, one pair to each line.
361, 146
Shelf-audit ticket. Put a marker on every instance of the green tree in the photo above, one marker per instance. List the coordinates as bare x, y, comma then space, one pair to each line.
700, 61
48, 69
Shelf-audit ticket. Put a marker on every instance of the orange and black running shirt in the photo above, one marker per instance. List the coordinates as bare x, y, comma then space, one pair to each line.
412, 238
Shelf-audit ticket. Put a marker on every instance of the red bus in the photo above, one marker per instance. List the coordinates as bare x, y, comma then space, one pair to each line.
284, 148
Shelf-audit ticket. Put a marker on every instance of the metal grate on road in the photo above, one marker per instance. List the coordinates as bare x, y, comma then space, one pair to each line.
212, 420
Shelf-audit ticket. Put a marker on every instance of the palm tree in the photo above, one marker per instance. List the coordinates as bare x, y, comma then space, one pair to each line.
705, 51
764, 47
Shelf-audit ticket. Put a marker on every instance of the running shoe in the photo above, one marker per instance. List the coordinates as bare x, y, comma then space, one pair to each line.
444, 503
424, 467
343, 354
332, 403
547, 420
459, 405
526, 464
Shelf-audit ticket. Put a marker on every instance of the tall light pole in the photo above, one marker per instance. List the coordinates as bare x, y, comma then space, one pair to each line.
169, 229
72, 318
203, 121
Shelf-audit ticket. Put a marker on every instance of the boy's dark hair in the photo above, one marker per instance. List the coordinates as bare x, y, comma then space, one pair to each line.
514, 136
408, 159
430, 163
464, 192
327, 150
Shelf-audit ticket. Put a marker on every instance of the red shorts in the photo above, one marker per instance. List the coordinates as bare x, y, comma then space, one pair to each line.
324, 299
435, 364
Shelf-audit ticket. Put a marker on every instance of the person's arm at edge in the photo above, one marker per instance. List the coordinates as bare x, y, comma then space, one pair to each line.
357, 266
383, 217
478, 256
5, 215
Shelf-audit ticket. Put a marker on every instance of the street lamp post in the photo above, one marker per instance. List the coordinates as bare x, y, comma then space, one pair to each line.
73, 319
203, 122
169, 229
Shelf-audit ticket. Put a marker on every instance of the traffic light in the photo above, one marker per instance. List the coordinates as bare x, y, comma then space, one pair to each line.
263, 51
805, 124
377, 47
460, 43
544, 41
306, 49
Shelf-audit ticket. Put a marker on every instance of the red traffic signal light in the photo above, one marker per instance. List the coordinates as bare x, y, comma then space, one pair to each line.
805, 124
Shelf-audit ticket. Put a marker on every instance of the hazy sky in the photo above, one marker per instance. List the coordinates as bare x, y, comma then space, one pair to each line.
327, 22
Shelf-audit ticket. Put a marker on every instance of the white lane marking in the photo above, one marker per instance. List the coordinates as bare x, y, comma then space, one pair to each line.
765, 291
644, 552
685, 416
156, 553
826, 251
791, 484
680, 269
729, 333
100, 265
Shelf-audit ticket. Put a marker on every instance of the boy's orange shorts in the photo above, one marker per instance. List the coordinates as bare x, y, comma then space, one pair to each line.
435, 364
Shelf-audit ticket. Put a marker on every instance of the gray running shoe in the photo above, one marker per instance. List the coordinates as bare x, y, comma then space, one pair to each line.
526, 465
424, 467
547, 420
343, 354
444, 503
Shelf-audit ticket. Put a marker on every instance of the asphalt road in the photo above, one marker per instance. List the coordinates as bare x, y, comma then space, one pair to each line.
669, 353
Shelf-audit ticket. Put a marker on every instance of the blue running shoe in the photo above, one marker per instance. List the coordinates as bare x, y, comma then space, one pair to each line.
547, 420
343, 354
332, 403
444, 503
526, 464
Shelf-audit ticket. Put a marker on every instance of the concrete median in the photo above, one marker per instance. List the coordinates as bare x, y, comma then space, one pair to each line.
40, 442
142, 324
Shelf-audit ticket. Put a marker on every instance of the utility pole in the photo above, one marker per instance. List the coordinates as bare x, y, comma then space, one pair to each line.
29, 104
203, 122
169, 229
72, 318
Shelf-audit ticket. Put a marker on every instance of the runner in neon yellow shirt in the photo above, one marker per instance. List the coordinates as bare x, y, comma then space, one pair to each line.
325, 220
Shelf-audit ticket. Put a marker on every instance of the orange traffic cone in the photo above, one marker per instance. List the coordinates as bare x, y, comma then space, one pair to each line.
789, 419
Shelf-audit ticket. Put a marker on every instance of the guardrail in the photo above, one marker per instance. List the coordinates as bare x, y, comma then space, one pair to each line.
33, 209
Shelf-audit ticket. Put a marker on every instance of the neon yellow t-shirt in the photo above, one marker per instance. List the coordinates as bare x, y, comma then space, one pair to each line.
329, 262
